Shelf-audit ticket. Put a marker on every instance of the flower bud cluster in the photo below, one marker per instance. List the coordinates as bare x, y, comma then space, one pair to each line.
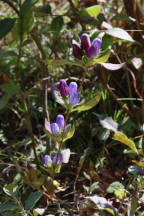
58, 125
71, 91
86, 47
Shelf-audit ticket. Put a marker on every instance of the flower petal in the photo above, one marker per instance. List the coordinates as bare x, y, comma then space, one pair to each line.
47, 161
77, 51
55, 128
74, 98
57, 159
85, 42
72, 87
60, 121
64, 89
95, 47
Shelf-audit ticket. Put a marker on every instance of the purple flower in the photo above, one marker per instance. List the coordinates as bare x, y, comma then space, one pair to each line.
60, 121
77, 51
94, 48
64, 89
72, 87
91, 49
85, 42
47, 161
57, 159
54, 128
74, 98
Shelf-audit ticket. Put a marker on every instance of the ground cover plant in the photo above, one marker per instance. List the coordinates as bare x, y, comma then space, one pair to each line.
72, 107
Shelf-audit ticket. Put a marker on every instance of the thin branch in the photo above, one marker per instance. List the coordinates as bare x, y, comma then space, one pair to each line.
11, 5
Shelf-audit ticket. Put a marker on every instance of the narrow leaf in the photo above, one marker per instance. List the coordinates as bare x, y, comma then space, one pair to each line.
89, 105
119, 33
32, 200
110, 66
70, 133
58, 62
139, 163
8, 206
125, 140
133, 207
101, 59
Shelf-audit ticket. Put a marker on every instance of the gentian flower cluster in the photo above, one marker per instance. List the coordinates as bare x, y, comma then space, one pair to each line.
86, 47
58, 125
71, 91
57, 160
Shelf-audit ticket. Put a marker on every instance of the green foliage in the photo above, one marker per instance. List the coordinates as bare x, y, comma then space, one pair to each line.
120, 33
90, 11
32, 199
6, 25
89, 105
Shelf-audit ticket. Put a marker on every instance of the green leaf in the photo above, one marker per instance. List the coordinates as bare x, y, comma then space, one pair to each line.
58, 62
93, 187
120, 193
25, 27
110, 211
8, 206
133, 207
90, 11
70, 133
32, 200
89, 105
119, 33
46, 9
57, 24
27, 5
5, 26
8, 189
114, 186
121, 137
101, 59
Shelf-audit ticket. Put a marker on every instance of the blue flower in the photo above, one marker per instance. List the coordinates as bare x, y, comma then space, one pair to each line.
60, 121
57, 159
74, 98
72, 87
86, 47
47, 161
74, 95
54, 128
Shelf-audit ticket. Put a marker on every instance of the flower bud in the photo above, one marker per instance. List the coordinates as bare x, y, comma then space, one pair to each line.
64, 89
60, 121
54, 129
85, 42
72, 87
95, 47
74, 98
47, 161
77, 51
57, 159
